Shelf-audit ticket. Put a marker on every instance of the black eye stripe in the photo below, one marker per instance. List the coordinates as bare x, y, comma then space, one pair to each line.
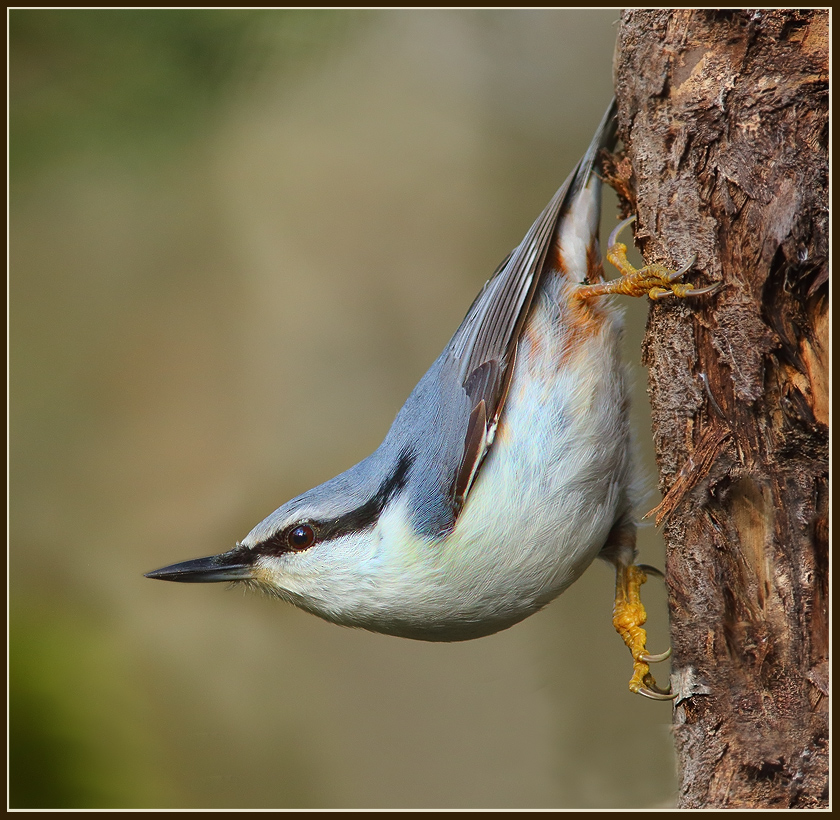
294, 538
368, 513
364, 516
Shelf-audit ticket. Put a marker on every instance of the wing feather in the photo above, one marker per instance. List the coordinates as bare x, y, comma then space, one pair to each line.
484, 345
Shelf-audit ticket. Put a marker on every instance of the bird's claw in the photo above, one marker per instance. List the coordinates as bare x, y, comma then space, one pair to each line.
613, 238
654, 281
650, 689
655, 693
647, 569
672, 277
628, 617
682, 291
662, 656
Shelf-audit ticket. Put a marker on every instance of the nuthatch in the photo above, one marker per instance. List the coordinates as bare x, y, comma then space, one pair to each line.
506, 472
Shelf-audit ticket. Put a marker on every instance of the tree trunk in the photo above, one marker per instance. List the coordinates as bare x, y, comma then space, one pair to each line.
724, 117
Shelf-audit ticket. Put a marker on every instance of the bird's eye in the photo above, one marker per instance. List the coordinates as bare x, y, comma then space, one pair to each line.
302, 537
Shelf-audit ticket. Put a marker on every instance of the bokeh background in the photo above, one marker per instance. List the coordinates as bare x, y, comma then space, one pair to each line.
238, 239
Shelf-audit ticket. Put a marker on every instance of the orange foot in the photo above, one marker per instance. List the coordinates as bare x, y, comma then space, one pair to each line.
628, 617
655, 281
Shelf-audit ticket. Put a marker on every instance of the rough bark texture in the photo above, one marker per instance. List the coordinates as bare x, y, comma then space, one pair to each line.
724, 116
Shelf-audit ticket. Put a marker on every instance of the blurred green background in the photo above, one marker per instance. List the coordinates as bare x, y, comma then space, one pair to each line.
238, 239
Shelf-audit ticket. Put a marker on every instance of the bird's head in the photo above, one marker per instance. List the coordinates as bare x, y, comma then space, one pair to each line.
329, 551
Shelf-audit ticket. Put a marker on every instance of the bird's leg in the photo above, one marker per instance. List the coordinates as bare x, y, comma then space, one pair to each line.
655, 281
628, 617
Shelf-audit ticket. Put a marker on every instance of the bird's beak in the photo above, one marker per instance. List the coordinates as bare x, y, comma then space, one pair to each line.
229, 566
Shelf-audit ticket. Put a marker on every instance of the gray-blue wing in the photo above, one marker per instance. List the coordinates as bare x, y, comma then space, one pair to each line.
484, 346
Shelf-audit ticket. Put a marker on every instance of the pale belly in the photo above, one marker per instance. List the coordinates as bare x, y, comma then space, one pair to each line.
554, 483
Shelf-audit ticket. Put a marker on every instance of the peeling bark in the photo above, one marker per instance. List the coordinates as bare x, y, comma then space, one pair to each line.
724, 117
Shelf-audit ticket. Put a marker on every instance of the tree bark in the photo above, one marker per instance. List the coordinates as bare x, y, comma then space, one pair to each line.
724, 117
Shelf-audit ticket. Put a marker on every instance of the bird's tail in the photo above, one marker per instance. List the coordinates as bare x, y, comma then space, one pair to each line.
574, 250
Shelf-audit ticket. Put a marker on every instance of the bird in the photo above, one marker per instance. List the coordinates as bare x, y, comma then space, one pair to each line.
507, 471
